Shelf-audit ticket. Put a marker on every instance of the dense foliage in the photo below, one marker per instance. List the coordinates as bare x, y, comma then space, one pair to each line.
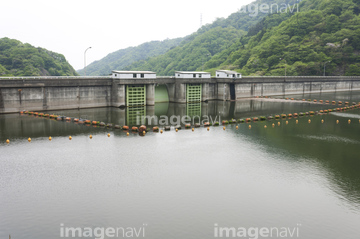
18, 59
323, 32
301, 40
120, 59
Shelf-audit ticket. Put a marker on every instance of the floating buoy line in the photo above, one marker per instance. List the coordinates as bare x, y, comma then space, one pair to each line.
143, 129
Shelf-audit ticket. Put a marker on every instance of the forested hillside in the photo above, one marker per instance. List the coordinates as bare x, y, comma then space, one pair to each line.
323, 32
19, 59
306, 37
121, 58
210, 40
195, 49
191, 54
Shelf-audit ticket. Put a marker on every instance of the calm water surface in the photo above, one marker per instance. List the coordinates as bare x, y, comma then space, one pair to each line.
179, 185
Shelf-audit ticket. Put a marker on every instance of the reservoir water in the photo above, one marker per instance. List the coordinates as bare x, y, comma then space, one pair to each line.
187, 184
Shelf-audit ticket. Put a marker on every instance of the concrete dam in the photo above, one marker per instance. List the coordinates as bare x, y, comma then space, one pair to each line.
55, 93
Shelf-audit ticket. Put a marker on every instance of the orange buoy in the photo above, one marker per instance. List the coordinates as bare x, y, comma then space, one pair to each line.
249, 126
349, 121
297, 121
287, 122
265, 126
237, 127
322, 121
192, 129
224, 128
70, 138
134, 128
161, 131
29, 139
7, 141
208, 128
90, 136
278, 123
309, 121
176, 130
337, 121
50, 138
273, 125
108, 135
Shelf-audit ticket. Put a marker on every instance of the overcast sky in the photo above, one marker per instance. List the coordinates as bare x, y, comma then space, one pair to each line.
70, 26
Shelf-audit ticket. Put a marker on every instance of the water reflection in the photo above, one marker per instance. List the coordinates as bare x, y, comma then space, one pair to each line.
303, 172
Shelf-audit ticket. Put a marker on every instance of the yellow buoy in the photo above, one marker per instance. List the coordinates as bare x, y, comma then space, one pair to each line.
297, 121
50, 138
192, 129
273, 125
90, 136
127, 134
29, 139
208, 128
309, 121
70, 138
349, 121
337, 121
161, 131
7, 141
322, 121
224, 128
237, 127
265, 126
249, 126
287, 122
278, 123
108, 135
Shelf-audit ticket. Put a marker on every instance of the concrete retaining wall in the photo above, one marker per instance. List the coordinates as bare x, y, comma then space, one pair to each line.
54, 93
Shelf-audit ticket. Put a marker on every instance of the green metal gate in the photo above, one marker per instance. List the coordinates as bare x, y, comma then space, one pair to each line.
135, 95
193, 93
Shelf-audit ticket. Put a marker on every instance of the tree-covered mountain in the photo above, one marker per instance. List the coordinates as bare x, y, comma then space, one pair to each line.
302, 38
322, 32
124, 57
210, 40
191, 52
19, 59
